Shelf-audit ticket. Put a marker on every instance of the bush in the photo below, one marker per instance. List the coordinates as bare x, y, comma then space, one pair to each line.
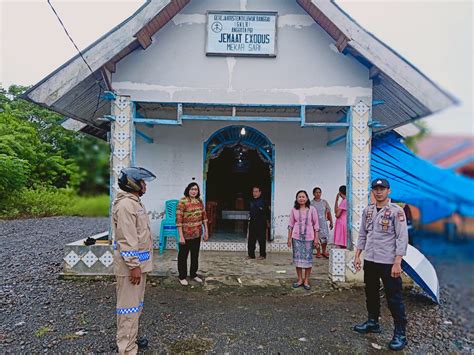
29, 203
13, 174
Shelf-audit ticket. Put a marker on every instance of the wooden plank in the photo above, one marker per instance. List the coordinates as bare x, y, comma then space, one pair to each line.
373, 72
110, 66
107, 77
341, 43
144, 40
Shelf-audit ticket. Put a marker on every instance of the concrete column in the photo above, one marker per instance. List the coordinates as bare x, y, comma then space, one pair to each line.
358, 189
122, 135
358, 170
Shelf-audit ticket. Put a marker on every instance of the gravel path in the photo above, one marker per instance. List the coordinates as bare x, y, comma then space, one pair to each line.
41, 313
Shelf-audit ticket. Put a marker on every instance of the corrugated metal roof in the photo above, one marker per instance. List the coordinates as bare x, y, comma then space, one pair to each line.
446, 151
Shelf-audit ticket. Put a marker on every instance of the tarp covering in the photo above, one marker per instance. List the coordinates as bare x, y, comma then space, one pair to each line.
437, 192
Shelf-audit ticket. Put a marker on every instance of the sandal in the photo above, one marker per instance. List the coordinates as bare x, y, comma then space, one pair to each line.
296, 285
307, 287
326, 255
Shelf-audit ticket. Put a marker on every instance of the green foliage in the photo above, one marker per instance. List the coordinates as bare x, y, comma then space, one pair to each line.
94, 206
13, 174
42, 164
53, 202
413, 140
57, 157
42, 331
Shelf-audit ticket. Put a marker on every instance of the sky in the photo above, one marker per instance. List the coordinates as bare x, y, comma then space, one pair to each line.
436, 36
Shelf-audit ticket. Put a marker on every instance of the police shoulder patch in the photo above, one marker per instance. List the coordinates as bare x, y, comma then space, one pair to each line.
401, 216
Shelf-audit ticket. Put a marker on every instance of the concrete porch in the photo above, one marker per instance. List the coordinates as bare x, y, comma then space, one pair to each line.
229, 266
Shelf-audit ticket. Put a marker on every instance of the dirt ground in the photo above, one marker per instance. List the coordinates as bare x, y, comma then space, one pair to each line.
40, 312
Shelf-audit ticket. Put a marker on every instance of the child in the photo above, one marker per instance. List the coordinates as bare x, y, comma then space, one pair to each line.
302, 235
340, 229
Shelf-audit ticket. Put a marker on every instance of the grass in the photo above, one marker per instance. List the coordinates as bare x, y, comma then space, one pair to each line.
42, 331
70, 336
94, 206
31, 203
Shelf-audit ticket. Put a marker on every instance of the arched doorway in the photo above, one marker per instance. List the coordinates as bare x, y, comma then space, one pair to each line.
236, 159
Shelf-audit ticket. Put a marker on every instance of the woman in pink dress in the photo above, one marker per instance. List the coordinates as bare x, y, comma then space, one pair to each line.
340, 229
303, 231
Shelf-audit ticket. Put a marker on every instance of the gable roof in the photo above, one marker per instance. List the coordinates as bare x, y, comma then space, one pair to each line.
74, 91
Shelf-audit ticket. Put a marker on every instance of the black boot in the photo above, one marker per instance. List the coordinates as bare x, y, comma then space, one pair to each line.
142, 343
399, 340
371, 326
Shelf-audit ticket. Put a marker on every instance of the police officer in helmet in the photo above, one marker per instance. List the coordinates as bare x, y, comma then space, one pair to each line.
383, 237
133, 255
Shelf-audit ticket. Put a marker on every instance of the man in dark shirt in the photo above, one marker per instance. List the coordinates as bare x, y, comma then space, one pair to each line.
258, 223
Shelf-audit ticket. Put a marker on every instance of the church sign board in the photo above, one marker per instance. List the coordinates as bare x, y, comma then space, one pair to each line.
241, 33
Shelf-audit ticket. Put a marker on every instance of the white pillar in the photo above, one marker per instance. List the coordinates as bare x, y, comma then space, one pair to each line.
358, 171
121, 142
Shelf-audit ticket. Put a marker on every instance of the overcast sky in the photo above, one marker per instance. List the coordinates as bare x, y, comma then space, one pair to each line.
436, 36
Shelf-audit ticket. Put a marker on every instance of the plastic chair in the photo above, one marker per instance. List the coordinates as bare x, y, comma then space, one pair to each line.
168, 225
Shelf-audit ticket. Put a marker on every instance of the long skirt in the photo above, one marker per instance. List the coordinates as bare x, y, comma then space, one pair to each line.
302, 253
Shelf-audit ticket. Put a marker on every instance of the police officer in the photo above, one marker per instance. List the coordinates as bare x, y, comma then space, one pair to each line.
383, 237
258, 223
133, 257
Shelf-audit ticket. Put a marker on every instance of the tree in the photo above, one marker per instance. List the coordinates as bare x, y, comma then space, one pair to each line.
31, 136
412, 141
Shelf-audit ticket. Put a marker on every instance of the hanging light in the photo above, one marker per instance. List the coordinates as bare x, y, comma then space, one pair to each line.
243, 132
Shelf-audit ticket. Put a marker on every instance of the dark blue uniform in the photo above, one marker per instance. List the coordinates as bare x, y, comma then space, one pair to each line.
259, 216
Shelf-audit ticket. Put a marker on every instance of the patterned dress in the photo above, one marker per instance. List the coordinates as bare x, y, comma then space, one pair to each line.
322, 206
303, 225
190, 215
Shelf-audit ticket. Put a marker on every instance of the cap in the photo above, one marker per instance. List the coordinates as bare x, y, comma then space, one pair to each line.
380, 182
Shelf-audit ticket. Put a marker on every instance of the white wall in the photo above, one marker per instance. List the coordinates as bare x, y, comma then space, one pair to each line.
308, 68
302, 161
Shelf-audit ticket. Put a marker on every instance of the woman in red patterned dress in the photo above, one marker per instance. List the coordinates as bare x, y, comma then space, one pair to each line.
190, 218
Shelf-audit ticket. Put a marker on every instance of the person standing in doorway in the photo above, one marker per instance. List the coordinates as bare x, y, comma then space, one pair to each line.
383, 237
190, 219
324, 215
133, 255
340, 230
259, 221
303, 231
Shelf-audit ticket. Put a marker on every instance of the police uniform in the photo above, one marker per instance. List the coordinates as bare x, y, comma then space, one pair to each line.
133, 248
383, 235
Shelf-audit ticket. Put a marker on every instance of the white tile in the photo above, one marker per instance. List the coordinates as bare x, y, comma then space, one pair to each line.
89, 258
350, 265
71, 258
121, 119
107, 259
121, 136
361, 108
337, 278
337, 269
121, 152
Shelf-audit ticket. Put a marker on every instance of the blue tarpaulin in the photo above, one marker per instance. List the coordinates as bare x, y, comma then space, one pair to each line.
437, 192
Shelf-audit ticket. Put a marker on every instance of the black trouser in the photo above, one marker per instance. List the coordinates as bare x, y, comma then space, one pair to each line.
373, 272
257, 231
190, 245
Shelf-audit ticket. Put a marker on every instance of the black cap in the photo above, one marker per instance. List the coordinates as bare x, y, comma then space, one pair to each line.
380, 182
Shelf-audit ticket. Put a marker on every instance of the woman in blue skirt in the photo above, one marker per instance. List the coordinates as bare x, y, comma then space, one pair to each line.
302, 236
